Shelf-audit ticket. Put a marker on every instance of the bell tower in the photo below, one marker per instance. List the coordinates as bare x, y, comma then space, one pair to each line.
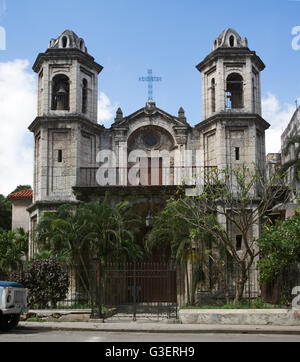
67, 79
66, 132
232, 131
231, 76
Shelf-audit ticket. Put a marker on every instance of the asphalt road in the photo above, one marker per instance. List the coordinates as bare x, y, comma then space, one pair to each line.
36, 334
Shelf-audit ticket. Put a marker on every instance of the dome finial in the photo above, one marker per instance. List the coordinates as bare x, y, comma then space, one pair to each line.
229, 38
68, 40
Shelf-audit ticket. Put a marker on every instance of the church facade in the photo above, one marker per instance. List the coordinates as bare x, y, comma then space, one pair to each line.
143, 156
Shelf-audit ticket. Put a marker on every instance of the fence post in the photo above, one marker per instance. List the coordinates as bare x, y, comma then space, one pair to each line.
99, 291
249, 291
134, 291
93, 287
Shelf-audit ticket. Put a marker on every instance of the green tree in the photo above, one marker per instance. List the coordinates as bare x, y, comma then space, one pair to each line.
233, 199
21, 188
190, 244
64, 232
77, 234
13, 249
5, 213
280, 247
112, 229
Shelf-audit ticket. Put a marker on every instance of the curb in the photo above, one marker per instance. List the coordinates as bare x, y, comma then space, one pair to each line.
155, 328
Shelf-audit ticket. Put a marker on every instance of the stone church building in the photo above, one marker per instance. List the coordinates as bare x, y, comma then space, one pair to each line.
140, 158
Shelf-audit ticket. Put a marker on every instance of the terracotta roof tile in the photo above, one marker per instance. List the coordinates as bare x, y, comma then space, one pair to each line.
24, 194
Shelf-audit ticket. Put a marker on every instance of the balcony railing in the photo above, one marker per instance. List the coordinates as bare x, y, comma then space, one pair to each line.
139, 176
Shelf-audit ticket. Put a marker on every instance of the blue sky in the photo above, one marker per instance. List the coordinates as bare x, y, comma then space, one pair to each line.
171, 37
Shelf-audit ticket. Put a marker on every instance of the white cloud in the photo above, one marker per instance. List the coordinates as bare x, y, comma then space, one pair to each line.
278, 115
106, 111
17, 110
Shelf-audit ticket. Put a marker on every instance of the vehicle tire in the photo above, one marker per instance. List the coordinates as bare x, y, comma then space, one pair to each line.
8, 322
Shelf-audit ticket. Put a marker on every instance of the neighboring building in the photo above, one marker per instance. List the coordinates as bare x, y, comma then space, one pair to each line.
273, 164
20, 201
70, 145
288, 153
286, 159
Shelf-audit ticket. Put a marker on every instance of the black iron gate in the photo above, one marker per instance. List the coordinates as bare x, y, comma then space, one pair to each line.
137, 289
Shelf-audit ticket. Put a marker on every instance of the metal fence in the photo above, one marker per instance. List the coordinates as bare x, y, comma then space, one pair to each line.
79, 295
147, 289
217, 294
135, 289
279, 292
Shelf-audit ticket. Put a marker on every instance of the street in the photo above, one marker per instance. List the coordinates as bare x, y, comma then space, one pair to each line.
36, 334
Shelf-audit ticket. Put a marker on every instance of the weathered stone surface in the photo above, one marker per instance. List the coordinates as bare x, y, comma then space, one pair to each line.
67, 142
280, 317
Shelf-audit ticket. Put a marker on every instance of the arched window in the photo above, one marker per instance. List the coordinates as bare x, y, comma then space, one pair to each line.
231, 41
84, 95
213, 95
64, 42
235, 91
60, 93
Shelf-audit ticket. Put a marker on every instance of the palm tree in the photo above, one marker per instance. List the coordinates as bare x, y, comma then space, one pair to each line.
112, 229
13, 249
190, 244
65, 232
79, 234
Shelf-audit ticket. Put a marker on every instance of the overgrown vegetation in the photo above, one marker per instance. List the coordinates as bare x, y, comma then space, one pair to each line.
13, 250
258, 303
5, 213
280, 247
295, 162
194, 226
189, 243
75, 235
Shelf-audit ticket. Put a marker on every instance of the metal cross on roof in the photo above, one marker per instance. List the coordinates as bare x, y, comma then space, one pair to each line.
150, 79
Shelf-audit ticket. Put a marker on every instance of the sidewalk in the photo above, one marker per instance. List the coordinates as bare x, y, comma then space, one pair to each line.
160, 327
79, 320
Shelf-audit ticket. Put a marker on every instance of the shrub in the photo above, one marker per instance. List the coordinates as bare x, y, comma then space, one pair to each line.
46, 280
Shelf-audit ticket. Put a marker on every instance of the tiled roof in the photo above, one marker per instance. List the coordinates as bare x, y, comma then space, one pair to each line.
20, 195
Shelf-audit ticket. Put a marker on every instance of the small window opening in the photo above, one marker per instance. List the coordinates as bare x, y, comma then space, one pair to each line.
64, 42
239, 240
237, 153
59, 156
231, 41
213, 95
84, 95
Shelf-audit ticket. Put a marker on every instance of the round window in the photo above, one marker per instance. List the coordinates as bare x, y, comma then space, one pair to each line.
151, 140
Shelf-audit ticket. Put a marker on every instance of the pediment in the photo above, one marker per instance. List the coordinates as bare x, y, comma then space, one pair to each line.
151, 112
